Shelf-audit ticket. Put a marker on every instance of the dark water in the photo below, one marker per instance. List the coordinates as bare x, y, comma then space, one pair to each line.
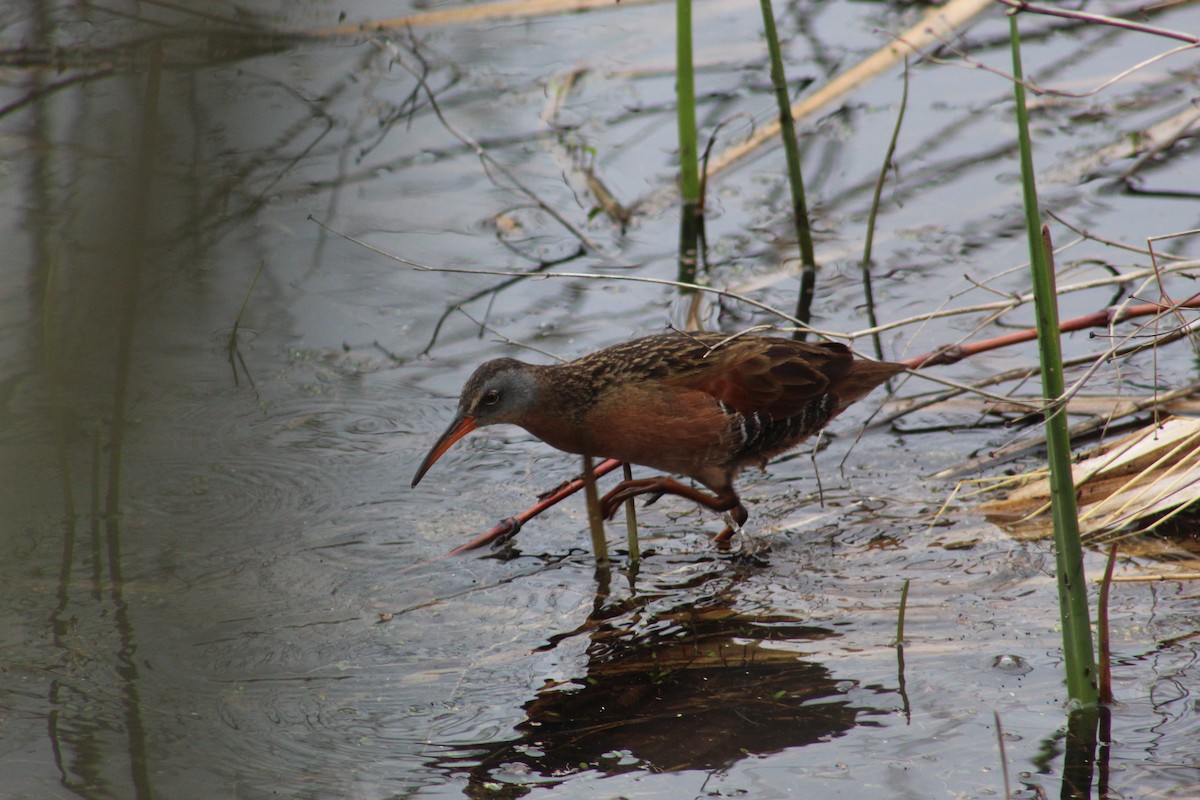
215, 581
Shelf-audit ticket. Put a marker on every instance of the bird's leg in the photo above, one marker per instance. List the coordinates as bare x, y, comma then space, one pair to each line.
739, 515
724, 500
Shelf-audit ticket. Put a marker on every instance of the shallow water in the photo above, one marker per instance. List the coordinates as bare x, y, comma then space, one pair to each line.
214, 579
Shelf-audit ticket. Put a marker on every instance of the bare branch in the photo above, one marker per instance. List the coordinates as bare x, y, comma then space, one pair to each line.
1100, 19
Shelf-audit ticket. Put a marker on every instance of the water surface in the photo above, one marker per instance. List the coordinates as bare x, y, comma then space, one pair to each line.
215, 579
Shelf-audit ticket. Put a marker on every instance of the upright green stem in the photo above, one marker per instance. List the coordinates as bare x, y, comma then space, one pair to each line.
685, 92
1078, 652
869, 239
631, 528
595, 522
791, 149
689, 163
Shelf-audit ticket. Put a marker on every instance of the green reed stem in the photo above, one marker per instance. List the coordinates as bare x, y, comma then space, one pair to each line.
595, 522
1078, 652
631, 527
869, 239
689, 161
685, 92
791, 149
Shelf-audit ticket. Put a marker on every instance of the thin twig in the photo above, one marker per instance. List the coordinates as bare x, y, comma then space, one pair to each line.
481, 13
1022, 299
1003, 755
1115, 22
574, 276
1086, 234
487, 157
1157, 577
231, 345
967, 62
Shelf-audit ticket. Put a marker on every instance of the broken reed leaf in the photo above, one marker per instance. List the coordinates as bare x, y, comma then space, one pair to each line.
1134, 483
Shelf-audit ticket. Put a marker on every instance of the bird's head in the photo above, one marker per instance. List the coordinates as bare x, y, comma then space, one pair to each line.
499, 391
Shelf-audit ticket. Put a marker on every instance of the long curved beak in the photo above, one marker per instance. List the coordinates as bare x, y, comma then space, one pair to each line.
459, 427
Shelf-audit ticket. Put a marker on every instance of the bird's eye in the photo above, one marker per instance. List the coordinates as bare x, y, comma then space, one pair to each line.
491, 397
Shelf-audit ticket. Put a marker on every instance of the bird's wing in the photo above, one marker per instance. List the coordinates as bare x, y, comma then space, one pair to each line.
779, 377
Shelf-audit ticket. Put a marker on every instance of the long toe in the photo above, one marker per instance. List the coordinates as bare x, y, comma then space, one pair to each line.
611, 502
653, 498
620, 493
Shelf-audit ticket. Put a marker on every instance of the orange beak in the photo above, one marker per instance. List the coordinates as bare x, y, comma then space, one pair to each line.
459, 427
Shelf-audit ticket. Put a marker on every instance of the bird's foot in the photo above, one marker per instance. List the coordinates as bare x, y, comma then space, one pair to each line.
736, 517
727, 500
627, 490
753, 553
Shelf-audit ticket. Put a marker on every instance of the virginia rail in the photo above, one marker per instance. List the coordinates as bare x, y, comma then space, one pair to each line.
696, 404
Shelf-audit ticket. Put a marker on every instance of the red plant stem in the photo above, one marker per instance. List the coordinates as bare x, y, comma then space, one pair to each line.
1104, 682
1097, 319
511, 525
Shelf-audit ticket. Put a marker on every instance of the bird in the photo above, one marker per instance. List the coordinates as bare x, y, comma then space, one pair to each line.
700, 405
